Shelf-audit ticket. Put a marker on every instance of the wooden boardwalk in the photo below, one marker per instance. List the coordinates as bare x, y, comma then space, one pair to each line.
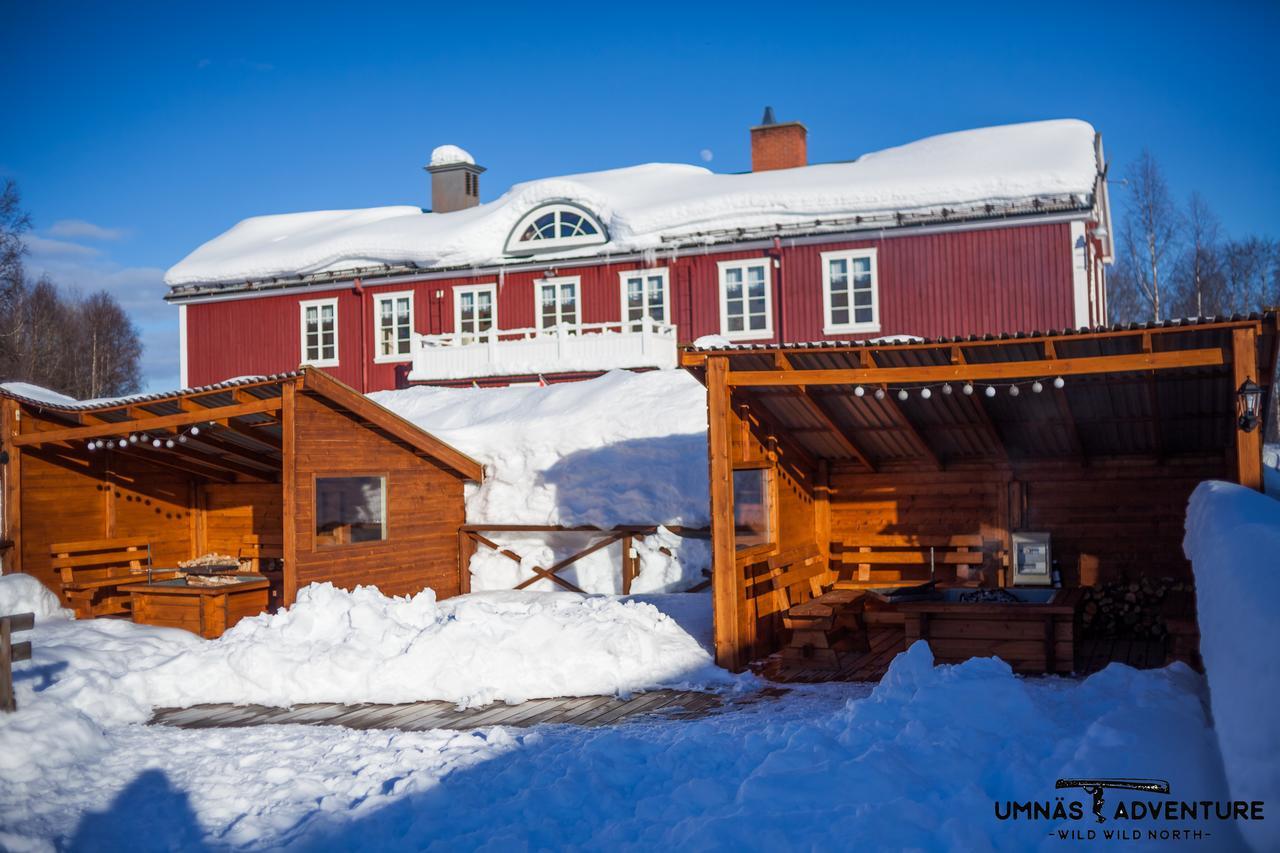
421, 716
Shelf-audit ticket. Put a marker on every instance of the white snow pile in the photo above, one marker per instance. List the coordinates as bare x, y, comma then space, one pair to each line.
1233, 542
641, 205
447, 155
338, 646
25, 594
625, 448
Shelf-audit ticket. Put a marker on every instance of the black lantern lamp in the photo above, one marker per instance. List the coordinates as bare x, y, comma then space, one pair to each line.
1248, 404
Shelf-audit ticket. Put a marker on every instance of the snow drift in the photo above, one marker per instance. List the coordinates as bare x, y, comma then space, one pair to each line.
1233, 542
24, 594
639, 205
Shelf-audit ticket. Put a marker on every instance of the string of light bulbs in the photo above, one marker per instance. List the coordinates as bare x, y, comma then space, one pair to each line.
989, 389
146, 439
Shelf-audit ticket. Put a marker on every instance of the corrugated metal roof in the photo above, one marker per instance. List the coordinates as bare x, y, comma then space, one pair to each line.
137, 399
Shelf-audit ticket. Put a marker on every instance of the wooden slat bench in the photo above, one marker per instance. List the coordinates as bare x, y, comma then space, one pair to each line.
93, 569
869, 560
822, 623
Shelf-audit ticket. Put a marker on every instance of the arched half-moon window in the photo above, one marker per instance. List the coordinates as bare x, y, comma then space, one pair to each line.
553, 227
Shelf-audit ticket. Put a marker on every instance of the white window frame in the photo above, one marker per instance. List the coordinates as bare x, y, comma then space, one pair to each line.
644, 275
378, 298
850, 255
518, 246
492, 289
558, 281
302, 332
746, 334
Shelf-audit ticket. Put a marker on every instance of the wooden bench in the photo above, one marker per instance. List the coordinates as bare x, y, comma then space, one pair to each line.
822, 622
93, 569
265, 554
869, 560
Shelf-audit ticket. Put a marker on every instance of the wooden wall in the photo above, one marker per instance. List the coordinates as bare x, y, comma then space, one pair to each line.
424, 508
229, 511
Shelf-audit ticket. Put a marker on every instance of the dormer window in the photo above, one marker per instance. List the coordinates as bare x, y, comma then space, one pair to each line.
553, 227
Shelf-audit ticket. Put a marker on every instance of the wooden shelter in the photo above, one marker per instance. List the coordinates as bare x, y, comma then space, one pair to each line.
340, 488
874, 458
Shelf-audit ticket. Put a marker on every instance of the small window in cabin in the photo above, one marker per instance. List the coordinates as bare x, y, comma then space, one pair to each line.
320, 332
555, 226
557, 303
475, 312
350, 510
644, 294
850, 291
393, 318
746, 304
751, 511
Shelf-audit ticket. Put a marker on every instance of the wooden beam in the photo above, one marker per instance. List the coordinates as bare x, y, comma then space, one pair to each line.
251, 432
1244, 362
726, 585
981, 372
904, 425
823, 416
319, 382
980, 408
180, 463
10, 489
289, 487
84, 433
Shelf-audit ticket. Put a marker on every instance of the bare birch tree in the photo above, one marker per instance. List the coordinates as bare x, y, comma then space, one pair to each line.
1152, 227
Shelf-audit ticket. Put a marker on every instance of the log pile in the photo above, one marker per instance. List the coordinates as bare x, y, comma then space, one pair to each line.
1131, 609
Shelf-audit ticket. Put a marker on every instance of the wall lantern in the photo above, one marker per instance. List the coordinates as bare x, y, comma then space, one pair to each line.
1248, 404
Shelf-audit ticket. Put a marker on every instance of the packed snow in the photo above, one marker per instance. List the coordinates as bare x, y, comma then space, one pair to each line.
447, 155
1233, 542
641, 205
625, 448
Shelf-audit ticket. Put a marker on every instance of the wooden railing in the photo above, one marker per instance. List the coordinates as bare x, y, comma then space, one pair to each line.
11, 653
472, 535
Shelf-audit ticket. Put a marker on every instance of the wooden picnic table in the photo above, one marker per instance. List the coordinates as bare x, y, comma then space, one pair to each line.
204, 610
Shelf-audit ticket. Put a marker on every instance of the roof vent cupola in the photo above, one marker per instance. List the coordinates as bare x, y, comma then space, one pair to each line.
778, 146
455, 179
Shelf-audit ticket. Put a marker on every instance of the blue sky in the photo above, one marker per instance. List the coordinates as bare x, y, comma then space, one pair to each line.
137, 132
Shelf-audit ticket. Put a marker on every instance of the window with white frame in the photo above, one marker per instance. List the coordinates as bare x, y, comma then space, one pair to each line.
320, 332
645, 293
849, 288
557, 302
393, 325
475, 312
555, 226
746, 304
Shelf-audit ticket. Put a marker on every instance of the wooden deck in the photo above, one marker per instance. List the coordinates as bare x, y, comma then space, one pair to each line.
422, 716
1091, 655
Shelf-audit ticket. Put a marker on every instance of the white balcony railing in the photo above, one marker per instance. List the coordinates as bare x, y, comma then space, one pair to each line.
530, 352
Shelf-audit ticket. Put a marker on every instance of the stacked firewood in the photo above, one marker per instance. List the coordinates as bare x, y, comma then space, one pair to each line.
1128, 608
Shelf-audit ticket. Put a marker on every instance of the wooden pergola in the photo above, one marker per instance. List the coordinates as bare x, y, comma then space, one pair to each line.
882, 440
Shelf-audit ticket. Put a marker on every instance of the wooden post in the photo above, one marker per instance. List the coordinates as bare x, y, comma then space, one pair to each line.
11, 653
630, 567
1244, 364
726, 585
11, 484
822, 514
289, 485
466, 550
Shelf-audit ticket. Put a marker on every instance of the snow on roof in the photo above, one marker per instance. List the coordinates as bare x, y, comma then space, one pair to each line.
25, 392
447, 155
641, 206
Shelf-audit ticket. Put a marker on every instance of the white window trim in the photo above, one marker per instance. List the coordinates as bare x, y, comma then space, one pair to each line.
747, 334
492, 289
516, 246
850, 255
302, 332
576, 281
644, 274
378, 298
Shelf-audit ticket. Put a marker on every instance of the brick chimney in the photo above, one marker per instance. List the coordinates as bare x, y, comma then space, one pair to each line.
778, 146
455, 179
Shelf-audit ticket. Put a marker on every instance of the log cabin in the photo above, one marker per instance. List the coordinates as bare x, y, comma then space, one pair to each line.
342, 489
1015, 462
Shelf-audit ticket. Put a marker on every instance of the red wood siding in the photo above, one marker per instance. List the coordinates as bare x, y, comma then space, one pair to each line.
951, 283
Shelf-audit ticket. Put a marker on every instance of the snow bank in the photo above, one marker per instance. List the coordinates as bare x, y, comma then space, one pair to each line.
625, 448
24, 594
1271, 469
361, 646
1233, 542
640, 205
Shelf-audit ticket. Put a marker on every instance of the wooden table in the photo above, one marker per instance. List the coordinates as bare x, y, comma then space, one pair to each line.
204, 610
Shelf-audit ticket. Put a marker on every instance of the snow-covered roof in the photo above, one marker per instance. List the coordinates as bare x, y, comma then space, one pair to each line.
1049, 163
447, 155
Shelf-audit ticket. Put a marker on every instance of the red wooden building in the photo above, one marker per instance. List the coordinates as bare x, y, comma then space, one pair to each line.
982, 231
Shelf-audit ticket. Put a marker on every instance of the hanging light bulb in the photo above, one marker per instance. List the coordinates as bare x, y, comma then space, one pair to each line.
1037, 386
991, 390
946, 388
1014, 390
902, 394
859, 391
195, 430
133, 439
93, 446
925, 393
155, 442
968, 389
879, 393
169, 443
182, 439
1058, 383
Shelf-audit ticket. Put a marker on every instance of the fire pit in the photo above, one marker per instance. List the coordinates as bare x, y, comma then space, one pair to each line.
204, 605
